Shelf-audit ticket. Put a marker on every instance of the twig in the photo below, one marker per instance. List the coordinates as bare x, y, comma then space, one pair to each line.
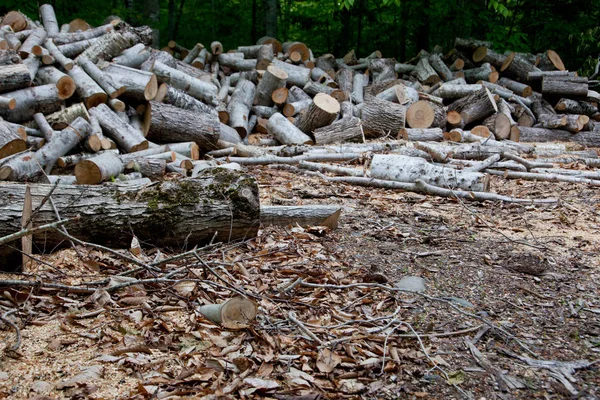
41, 228
292, 317
8, 322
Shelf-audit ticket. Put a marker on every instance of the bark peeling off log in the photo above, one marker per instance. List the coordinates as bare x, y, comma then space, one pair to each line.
171, 214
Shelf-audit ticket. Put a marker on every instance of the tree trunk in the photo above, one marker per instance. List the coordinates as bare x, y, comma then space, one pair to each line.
482, 73
76, 48
423, 135
425, 73
272, 11
570, 106
170, 124
217, 206
519, 88
517, 68
297, 75
49, 19
440, 67
107, 47
571, 87
499, 124
486, 55
295, 108
383, 69
409, 169
103, 80
87, 89
525, 134
98, 169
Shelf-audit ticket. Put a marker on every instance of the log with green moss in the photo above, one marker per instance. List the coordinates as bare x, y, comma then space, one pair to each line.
220, 205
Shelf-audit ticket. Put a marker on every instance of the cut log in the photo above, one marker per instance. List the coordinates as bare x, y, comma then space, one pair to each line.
63, 118
313, 88
475, 107
239, 106
139, 85
103, 80
73, 37
499, 124
344, 130
133, 57
383, 69
175, 97
72, 159
193, 53
486, 55
295, 108
45, 99
149, 167
106, 47
98, 169
470, 45
570, 87
306, 215
423, 135
321, 112
410, 169
237, 63
117, 105
49, 19
43, 126
10, 141
76, 48
127, 137
276, 44
201, 90
87, 89
526, 134
381, 118
264, 112
216, 48
482, 73
422, 114
8, 57
8, 102
359, 81
64, 83
570, 122
13, 77
569, 106
452, 92
296, 47
201, 60
517, 68
550, 61
296, 93
236, 313
297, 75
61, 143
170, 124
16, 20
440, 67
78, 25
33, 43
219, 205
285, 132
425, 73
273, 78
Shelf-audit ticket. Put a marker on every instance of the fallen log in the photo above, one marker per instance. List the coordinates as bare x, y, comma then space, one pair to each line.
305, 215
343, 130
410, 169
381, 117
13, 77
286, 132
45, 99
218, 205
321, 112
127, 137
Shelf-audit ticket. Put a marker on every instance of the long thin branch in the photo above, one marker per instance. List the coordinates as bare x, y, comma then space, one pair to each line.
42, 228
4, 318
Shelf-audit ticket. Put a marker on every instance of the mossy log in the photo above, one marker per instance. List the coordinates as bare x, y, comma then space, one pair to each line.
219, 205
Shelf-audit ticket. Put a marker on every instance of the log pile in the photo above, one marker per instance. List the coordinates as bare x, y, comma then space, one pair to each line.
93, 105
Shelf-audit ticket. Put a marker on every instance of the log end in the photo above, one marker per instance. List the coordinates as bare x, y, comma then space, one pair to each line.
420, 115
479, 54
87, 173
94, 100
507, 62
556, 60
139, 147
66, 87
13, 147
151, 88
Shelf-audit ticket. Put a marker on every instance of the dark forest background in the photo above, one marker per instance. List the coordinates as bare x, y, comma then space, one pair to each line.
398, 28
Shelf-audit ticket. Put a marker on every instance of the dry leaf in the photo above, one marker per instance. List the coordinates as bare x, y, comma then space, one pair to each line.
3, 376
185, 288
261, 383
88, 374
327, 360
351, 386
41, 386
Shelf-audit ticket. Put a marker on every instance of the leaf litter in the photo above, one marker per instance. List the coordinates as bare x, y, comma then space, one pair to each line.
335, 317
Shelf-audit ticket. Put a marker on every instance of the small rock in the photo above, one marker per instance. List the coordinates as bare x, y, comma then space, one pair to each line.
411, 284
3, 376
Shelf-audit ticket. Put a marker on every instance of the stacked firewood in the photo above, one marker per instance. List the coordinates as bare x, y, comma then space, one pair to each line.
89, 105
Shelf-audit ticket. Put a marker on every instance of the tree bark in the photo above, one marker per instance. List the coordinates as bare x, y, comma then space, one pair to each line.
106, 47
424, 135
239, 106
98, 169
76, 48
572, 87
175, 97
525, 134
273, 78
218, 205
425, 73
32, 45
139, 85
475, 107
440, 67
49, 19
170, 124
499, 124
68, 38
201, 90
64, 83
10, 141
61, 119
297, 75
308, 215
517, 68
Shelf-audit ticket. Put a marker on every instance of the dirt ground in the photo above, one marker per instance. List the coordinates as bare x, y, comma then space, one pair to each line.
505, 285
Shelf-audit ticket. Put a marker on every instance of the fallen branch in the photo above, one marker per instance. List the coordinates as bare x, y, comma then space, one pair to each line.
4, 318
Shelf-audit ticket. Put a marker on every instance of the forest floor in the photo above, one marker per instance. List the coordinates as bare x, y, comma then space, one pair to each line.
504, 285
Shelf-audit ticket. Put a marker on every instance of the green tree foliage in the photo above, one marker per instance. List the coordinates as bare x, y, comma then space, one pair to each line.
398, 28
